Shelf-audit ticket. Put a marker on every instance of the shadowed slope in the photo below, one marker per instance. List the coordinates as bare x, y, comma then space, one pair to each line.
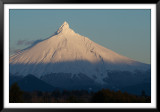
31, 83
97, 70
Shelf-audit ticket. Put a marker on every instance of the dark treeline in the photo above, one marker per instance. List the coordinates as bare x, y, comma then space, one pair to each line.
75, 96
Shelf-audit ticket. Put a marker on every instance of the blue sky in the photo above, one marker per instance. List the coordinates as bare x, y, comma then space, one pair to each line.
126, 32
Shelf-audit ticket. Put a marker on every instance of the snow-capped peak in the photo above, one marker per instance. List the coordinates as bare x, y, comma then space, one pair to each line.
69, 52
64, 27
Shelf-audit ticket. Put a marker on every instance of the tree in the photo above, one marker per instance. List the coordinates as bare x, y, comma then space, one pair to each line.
143, 94
73, 99
107, 96
99, 97
15, 94
56, 93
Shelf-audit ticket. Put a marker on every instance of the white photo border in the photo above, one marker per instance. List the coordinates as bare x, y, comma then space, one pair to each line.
152, 105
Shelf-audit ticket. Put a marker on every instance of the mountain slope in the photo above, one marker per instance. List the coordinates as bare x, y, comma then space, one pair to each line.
31, 83
69, 52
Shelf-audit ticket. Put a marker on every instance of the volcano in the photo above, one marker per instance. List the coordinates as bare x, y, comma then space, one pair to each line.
70, 60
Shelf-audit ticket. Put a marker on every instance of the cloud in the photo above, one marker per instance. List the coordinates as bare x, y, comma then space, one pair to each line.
29, 44
25, 42
20, 42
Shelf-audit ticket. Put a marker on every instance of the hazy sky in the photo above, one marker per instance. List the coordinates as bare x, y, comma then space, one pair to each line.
126, 32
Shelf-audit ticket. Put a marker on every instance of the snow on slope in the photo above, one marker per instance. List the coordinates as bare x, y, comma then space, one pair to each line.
69, 52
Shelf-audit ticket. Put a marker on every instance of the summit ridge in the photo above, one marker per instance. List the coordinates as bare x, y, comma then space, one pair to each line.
63, 28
